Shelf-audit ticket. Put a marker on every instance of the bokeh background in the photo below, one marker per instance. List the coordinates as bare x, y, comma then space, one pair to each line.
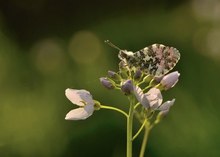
47, 46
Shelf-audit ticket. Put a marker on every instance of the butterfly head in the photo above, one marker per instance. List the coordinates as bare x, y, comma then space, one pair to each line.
125, 55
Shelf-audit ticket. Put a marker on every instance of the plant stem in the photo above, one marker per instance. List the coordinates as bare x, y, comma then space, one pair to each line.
130, 126
136, 105
146, 88
144, 142
139, 131
115, 109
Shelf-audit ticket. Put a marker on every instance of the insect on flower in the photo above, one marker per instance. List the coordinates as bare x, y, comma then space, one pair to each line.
156, 60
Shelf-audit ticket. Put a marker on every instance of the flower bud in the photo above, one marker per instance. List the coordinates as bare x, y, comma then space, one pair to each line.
166, 105
137, 74
169, 80
113, 75
127, 87
164, 110
106, 83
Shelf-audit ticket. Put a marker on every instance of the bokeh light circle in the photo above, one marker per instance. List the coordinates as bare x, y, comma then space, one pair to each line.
48, 56
84, 47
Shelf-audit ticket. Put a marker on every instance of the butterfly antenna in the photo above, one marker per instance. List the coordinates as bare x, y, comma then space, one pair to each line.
112, 45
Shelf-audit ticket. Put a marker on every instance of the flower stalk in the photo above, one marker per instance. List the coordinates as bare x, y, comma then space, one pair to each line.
145, 139
130, 126
115, 109
139, 131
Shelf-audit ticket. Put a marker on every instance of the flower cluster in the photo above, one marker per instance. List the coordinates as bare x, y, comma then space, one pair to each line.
144, 94
129, 82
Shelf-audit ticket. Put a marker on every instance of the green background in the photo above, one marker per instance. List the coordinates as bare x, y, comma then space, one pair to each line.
47, 46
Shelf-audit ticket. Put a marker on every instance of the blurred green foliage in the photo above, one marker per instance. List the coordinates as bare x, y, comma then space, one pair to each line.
48, 46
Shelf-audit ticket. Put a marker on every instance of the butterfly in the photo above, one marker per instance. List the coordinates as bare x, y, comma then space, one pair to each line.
156, 60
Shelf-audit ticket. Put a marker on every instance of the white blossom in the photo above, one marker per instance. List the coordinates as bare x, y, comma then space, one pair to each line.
141, 97
152, 99
84, 100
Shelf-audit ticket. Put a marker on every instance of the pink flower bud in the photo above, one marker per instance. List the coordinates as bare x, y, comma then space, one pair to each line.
127, 87
169, 80
106, 83
113, 75
137, 74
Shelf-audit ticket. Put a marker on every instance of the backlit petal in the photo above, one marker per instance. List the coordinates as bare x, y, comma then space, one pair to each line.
141, 97
79, 96
154, 97
80, 113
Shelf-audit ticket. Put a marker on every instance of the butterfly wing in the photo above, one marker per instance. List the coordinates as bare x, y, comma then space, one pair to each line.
157, 59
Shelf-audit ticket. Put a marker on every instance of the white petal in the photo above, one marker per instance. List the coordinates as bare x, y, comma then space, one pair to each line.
166, 106
154, 97
80, 113
77, 96
138, 93
170, 80
141, 97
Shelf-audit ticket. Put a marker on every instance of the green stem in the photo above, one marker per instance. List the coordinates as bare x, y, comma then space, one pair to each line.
129, 127
136, 105
115, 109
118, 88
141, 82
144, 142
146, 88
140, 129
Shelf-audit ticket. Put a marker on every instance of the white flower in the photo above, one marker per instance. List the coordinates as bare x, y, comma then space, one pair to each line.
141, 97
84, 100
169, 80
152, 99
